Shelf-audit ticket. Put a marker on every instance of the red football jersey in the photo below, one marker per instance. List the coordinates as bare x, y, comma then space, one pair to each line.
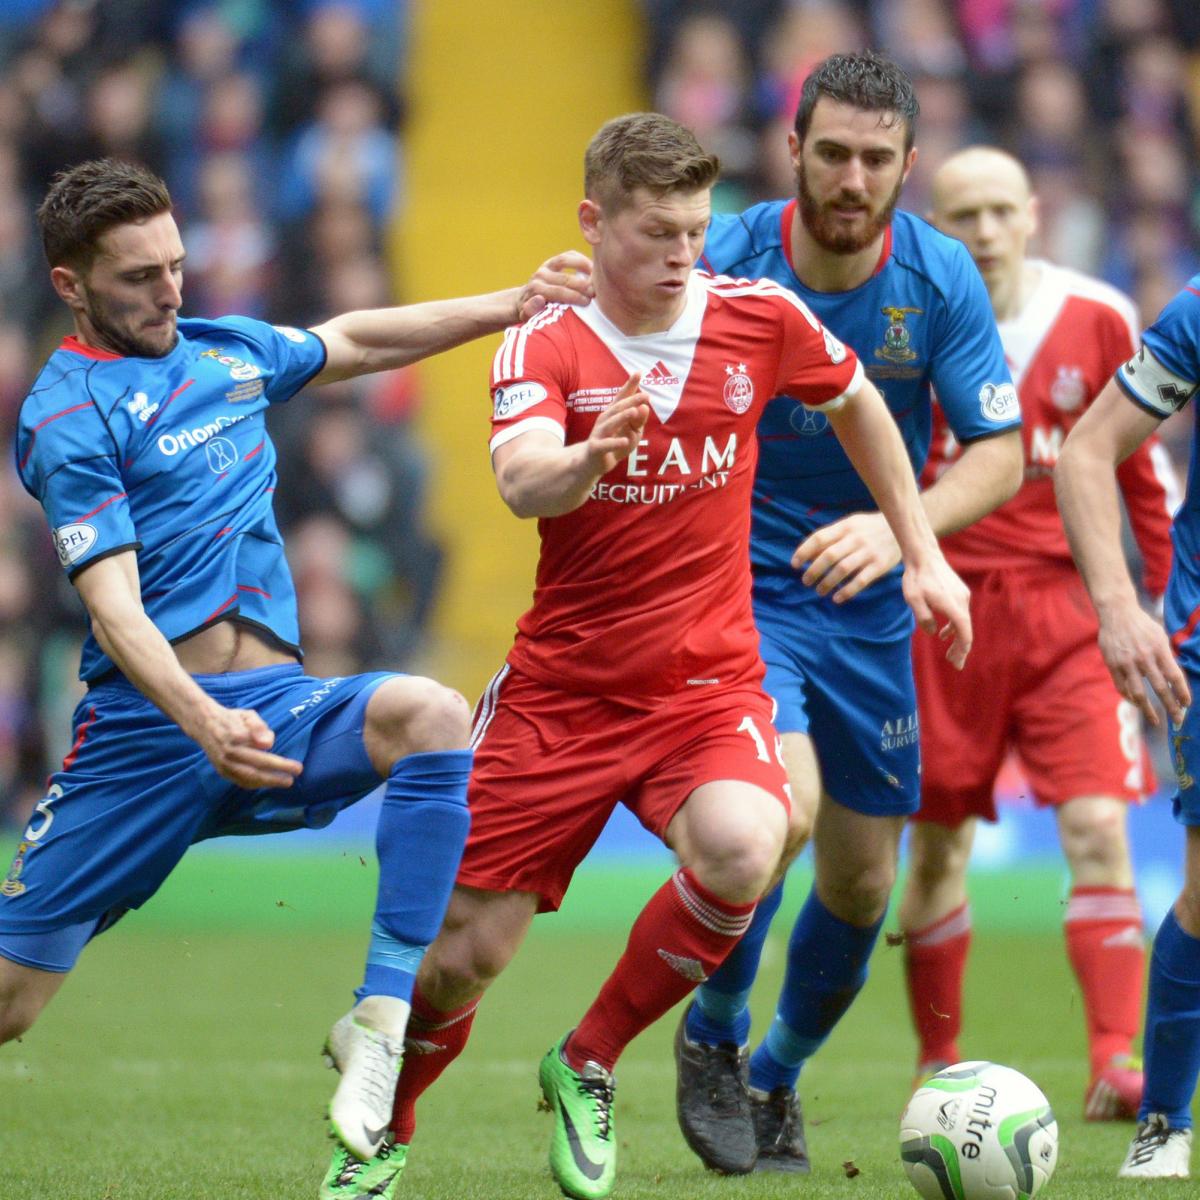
645, 588
1063, 347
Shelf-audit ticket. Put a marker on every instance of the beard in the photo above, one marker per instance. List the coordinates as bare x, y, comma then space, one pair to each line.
121, 340
827, 231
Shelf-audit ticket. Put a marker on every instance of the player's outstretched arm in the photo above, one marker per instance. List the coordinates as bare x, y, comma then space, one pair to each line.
381, 339
236, 741
868, 434
1134, 645
540, 477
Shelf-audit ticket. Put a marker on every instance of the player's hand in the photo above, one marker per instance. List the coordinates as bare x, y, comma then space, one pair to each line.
1136, 648
936, 594
847, 555
619, 428
564, 279
237, 742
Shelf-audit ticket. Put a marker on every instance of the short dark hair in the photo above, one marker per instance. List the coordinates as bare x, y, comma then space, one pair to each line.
645, 150
90, 198
867, 80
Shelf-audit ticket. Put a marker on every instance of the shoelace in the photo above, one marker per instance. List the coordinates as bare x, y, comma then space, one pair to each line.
379, 1081
354, 1167
779, 1105
1152, 1138
601, 1093
723, 1080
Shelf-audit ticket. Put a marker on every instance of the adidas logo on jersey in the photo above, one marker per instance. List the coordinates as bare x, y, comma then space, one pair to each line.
660, 376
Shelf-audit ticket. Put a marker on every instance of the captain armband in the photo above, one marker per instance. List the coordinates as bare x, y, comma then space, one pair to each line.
1153, 385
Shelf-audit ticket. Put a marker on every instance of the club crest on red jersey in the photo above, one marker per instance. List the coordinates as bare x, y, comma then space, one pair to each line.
1069, 389
739, 388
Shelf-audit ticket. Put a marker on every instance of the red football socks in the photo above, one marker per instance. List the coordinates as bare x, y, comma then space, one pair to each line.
935, 961
680, 937
435, 1039
1103, 928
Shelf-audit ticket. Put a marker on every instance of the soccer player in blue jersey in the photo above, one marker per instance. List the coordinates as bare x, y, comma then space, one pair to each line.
1155, 383
911, 303
144, 440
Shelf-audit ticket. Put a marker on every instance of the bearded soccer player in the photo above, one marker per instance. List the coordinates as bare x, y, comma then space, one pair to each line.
1049, 697
911, 304
143, 438
627, 429
1157, 381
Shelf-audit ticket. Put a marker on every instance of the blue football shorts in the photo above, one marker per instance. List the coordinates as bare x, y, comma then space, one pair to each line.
844, 676
1185, 755
135, 792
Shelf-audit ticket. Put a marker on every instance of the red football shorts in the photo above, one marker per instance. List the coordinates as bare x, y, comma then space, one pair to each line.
1034, 683
550, 767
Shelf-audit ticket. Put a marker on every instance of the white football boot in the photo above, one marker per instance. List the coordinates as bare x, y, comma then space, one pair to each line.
366, 1046
1157, 1151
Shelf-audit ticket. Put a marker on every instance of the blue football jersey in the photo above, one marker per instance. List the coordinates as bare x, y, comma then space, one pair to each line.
1162, 377
922, 324
170, 457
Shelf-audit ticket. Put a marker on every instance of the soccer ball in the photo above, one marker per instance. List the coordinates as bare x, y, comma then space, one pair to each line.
978, 1131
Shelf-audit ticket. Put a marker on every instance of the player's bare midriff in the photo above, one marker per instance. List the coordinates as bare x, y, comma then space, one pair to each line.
229, 646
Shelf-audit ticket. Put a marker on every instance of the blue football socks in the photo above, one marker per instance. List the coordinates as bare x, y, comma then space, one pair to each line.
423, 825
1172, 1041
720, 1012
826, 968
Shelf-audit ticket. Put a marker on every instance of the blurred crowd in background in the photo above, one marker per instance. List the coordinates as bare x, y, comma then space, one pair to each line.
278, 125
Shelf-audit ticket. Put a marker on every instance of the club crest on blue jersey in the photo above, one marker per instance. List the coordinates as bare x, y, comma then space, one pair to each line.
246, 375
897, 338
12, 885
1183, 777
739, 388
239, 368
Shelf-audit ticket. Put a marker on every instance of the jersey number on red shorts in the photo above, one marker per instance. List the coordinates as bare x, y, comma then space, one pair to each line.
1130, 721
760, 745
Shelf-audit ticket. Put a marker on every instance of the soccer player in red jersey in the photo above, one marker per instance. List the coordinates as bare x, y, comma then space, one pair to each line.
1036, 682
627, 429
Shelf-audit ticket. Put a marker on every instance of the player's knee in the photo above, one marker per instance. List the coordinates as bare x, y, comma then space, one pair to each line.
457, 970
412, 715
480, 934
860, 896
1097, 846
933, 860
738, 866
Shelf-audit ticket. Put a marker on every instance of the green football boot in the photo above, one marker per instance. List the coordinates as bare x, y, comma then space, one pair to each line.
583, 1148
349, 1178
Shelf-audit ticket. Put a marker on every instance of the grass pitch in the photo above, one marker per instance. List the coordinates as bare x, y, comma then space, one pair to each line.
181, 1061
